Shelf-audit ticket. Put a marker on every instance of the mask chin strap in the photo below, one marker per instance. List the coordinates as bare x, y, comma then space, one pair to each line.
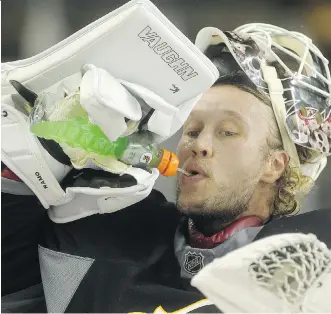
275, 87
276, 91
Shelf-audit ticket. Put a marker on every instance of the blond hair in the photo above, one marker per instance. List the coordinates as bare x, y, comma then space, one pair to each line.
293, 185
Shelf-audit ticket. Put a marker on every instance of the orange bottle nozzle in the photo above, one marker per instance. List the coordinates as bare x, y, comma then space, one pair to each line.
169, 163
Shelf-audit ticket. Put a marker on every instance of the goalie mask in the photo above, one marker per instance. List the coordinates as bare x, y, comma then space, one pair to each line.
300, 97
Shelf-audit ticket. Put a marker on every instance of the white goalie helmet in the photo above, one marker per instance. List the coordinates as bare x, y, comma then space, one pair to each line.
300, 97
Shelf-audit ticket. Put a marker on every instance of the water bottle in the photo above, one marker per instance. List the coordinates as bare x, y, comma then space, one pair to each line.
65, 121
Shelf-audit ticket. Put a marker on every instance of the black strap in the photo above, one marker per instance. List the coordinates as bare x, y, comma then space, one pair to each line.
26, 93
55, 150
145, 119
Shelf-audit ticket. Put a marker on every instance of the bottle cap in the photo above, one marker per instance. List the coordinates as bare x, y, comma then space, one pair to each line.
169, 163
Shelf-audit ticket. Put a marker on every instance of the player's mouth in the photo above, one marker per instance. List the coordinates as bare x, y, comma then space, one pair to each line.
196, 172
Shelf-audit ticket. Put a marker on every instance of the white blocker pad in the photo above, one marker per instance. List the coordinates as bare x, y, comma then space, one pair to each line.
135, 43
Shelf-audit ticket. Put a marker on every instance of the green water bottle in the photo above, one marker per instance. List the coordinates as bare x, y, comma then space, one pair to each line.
66, 122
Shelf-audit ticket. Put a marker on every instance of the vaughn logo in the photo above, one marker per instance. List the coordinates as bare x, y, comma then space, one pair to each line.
167, 54
41, 180
193, 262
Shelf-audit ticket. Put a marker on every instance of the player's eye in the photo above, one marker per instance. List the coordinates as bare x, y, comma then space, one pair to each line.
193, 134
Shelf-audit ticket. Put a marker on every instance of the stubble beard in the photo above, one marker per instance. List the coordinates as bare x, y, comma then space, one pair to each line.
222, 208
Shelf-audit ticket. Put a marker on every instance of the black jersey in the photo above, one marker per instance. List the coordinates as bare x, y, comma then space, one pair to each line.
119, 262
317, 222
22, 218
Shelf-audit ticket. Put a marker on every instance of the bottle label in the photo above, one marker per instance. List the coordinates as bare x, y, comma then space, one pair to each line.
141, 152
146, 158
137, 156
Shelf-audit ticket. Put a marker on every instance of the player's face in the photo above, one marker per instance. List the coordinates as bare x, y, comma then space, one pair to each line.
225, 143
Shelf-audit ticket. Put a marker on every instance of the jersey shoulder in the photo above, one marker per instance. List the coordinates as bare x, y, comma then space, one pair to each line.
317, 222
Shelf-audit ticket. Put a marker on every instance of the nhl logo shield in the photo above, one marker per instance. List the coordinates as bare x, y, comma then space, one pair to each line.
193, 262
